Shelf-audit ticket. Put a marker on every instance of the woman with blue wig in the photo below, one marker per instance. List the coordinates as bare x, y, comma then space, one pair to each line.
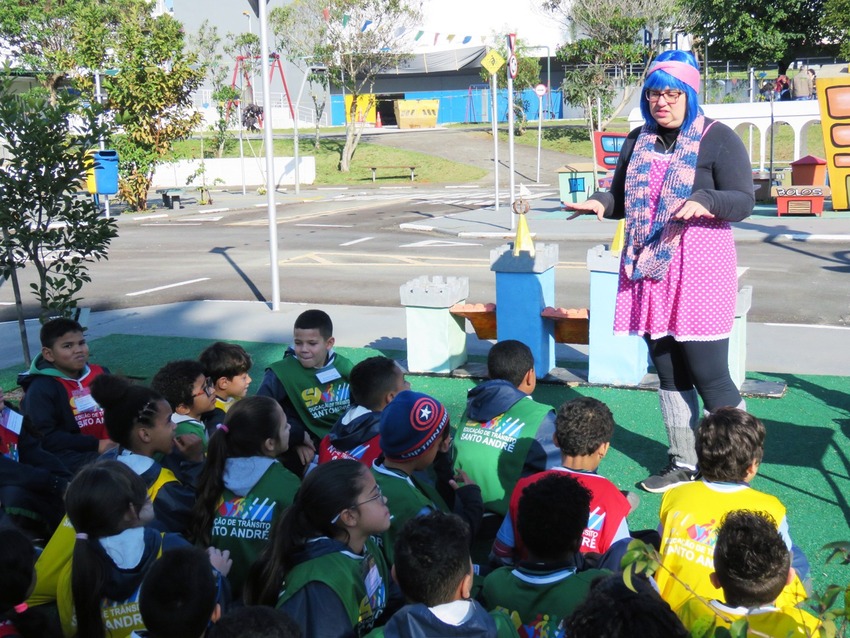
679, 181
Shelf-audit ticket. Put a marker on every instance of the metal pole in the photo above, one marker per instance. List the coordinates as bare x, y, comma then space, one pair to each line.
241, 146
539, 132
99, 97
295, 148
495, 125
269, 147
511, 134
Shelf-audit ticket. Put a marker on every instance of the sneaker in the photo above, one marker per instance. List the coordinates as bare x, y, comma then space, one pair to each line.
668, 478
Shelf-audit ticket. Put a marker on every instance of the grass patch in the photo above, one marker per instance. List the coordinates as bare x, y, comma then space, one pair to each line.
429, 169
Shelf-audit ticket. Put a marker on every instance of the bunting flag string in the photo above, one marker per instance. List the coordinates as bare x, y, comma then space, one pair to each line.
365, 25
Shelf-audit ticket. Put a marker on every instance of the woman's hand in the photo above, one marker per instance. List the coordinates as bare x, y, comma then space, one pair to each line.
692, 209
587, 207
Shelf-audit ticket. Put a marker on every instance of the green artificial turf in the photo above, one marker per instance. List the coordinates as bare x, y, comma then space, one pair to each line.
806, 461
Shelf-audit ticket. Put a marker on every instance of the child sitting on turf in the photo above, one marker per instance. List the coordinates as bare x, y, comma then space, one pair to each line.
227, 365
374, 383
414, 428
545, 589
180, 595
584, 427
58, 398
243, 488
752, 565
729, 447
115, 548
322, 564
504, 433
434, 570
190, 393
311, 385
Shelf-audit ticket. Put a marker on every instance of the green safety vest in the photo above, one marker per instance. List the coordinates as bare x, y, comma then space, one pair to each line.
360, 582
406, 497
318, 404
242, 524
494, 453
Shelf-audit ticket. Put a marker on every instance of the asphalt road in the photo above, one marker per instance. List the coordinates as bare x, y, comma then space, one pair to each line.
339, 249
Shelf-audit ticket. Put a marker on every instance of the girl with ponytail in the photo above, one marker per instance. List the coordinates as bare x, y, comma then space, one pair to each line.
243, 488
322, 565
108, 505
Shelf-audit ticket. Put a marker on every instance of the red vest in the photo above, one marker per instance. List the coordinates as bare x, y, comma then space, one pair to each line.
365, 452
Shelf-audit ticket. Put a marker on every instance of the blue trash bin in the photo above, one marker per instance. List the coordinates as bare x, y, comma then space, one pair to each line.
103, 172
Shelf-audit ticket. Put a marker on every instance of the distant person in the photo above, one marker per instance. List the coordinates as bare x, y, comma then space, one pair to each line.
801, 84
583, 430
730, 447
243, 489
191, 394
180, 595
614, 610
227, 366
434, 570
813, 78
356, 435
311, 385
782, 88
58, 398
322, 564
504, 434
414, 430
752, 565
542, 591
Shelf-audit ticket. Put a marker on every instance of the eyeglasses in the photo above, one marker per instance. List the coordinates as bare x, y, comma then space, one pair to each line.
379, 494
207, 388
671, 97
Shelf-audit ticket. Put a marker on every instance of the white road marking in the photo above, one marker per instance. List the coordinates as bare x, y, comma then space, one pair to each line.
435, 243
144, 217
356, 241
158, 288
175, 224
203, 219
326, 225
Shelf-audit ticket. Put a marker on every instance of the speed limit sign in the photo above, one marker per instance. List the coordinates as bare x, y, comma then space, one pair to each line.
540, 90
512, 66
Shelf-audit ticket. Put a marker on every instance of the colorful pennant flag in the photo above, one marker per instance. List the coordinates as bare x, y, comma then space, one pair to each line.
466, 39
345, 20
418, 35
365, 26
450, 37
327, 14
436, 37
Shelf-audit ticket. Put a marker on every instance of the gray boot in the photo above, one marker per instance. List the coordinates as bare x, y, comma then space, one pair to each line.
680, 411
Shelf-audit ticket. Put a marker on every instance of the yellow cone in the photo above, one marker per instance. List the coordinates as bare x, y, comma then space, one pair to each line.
523, 241
619, 238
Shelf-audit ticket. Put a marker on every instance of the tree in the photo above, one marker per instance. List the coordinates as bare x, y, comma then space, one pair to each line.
758, 31
246, 47
355, 40
150, 95
528, 76
837, 22
44, 220
206, 47
608, 50
41, 36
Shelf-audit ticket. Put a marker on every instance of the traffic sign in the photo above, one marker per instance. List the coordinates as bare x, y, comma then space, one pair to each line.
540, 90
493, 62
513, 65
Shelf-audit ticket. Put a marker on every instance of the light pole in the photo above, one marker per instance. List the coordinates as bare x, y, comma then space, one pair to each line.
308, 71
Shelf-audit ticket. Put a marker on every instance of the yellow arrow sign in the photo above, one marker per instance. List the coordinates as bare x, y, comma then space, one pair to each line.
493, 61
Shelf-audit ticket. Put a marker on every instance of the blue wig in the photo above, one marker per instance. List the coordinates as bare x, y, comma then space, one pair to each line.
661, 80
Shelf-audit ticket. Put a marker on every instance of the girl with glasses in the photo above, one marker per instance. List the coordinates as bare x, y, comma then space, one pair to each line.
680, 180
322, 565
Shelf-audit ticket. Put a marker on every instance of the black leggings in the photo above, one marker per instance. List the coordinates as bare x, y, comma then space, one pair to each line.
704, 365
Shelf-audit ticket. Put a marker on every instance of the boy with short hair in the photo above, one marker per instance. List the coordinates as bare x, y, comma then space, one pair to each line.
544, 590
505, 434
57, 397
583, 431
190, 394
434, 571
414, 429
311, 385
729, 446
227, 365
374, 383
752, 565
179, 596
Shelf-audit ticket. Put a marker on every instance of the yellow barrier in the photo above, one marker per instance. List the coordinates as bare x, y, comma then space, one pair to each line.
416, 113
